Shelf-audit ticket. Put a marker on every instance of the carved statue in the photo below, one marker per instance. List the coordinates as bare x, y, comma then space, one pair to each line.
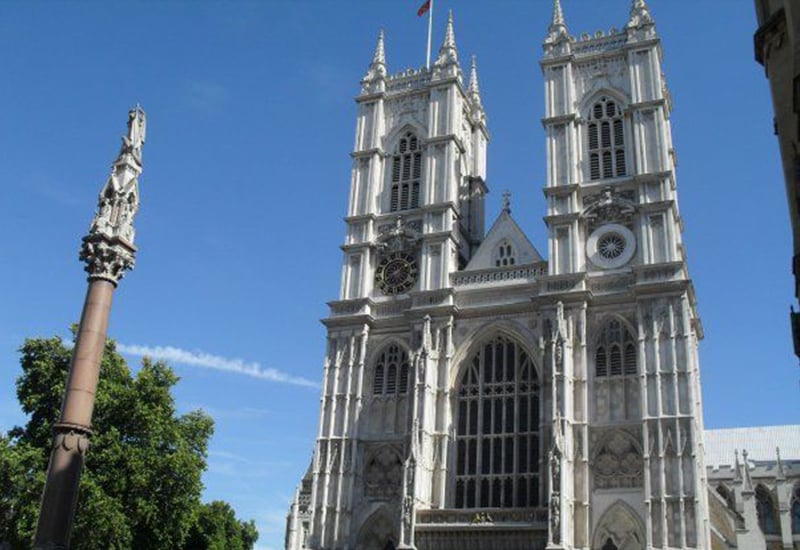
608, 206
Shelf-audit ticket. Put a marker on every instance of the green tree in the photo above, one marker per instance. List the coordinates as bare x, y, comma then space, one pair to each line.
141, 483
218, 529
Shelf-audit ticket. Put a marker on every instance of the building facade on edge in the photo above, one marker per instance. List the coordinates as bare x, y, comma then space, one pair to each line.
476, 395
777, 48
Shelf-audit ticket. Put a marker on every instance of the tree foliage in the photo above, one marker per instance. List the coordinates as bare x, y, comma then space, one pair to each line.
141, 482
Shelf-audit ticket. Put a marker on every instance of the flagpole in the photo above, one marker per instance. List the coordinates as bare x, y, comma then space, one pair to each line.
430, 31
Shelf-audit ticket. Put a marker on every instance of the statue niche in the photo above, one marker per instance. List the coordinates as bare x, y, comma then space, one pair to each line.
383, 474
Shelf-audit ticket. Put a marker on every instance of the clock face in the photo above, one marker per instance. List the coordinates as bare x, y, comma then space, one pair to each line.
396, 273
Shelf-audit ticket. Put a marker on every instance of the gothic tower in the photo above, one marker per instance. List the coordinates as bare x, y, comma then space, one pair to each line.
626, 388
476, 395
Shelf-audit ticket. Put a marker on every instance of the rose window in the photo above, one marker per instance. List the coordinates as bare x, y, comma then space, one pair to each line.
611, 246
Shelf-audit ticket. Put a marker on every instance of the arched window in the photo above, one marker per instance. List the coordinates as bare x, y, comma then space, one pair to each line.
767, 519
796, 510
391, 372
617, 392
406, 174
504, 255
606, 140
497, 437
727, 495
616, 351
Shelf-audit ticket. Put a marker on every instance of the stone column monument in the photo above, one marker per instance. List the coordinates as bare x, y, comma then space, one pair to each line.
108, 252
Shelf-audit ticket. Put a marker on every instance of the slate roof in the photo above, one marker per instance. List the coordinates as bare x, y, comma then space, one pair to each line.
759, 441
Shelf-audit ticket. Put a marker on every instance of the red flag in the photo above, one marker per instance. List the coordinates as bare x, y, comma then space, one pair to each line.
423, 9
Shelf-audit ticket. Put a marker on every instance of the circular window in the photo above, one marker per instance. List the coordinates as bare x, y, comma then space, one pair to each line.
611, 246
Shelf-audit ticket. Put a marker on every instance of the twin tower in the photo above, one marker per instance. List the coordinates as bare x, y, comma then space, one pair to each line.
476, 395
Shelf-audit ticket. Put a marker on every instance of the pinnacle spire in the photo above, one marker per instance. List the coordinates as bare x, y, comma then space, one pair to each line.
449, 36
448, 53
473, 76
474, 88
558, 26
558, 15
379, 57
377, 68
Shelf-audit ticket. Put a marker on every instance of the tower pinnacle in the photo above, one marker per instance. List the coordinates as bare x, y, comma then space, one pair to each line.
640, 14
377, 68
379, 57
474, 89
557, 31
558, 15
448, 53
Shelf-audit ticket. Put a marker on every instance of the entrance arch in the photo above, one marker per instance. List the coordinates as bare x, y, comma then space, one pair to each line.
377, 533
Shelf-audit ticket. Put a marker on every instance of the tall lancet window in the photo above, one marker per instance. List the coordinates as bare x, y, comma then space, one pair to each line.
497, 439
616, 351
406, 174
796, 510
606, 140
616, 384
391, 372
765, 507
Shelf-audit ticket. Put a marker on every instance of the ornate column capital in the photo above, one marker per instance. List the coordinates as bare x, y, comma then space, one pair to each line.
108, 249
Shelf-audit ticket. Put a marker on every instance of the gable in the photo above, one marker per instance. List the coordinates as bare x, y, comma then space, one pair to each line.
494, 251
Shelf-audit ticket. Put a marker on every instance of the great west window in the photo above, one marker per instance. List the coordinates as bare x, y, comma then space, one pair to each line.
497, 455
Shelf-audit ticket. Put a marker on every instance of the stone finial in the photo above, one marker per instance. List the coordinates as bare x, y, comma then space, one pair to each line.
640, 14
448, 53
748, 483
108, 249
506, 201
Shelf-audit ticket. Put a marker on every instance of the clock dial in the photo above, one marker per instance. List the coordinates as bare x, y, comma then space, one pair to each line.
396, 273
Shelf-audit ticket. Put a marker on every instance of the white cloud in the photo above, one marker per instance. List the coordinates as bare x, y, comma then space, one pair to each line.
215, 362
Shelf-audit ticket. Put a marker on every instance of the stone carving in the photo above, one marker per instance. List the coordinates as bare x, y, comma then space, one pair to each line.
106, 260
555, 480
481, 517
609, 206
108, 249
598, 75
407, 109
618, 463
400, 237
383, 474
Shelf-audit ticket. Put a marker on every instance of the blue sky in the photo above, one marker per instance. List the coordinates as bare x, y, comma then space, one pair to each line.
250, 122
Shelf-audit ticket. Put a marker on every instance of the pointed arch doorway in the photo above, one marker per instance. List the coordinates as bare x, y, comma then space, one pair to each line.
377, 533
619, 529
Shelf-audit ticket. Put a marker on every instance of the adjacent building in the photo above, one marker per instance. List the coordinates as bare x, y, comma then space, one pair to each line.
777, 48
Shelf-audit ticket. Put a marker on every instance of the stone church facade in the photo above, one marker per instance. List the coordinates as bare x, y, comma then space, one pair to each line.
476, 395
